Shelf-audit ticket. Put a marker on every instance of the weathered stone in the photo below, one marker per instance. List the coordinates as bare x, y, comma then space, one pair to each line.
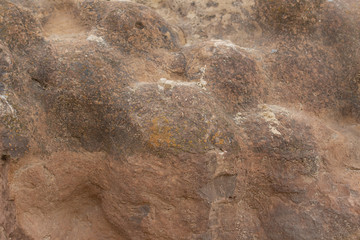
179, 119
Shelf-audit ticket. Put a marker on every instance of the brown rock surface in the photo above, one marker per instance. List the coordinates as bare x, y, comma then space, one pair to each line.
172, 119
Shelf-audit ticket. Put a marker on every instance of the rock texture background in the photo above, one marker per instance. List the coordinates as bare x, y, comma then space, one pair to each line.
174, 119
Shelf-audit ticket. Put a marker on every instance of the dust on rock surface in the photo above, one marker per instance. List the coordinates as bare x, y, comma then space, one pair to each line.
174, 119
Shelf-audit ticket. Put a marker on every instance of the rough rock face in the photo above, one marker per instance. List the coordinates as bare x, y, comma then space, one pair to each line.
175, 119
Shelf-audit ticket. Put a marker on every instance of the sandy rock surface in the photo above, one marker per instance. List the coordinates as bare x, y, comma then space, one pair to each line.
174, 119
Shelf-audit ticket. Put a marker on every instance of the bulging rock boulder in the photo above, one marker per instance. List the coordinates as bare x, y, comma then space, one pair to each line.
171, 119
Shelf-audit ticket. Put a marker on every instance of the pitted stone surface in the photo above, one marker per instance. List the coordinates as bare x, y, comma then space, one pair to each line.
179, 119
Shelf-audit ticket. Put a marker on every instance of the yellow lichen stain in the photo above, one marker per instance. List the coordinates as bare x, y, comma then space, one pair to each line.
221, 141
160, 133
216, 139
